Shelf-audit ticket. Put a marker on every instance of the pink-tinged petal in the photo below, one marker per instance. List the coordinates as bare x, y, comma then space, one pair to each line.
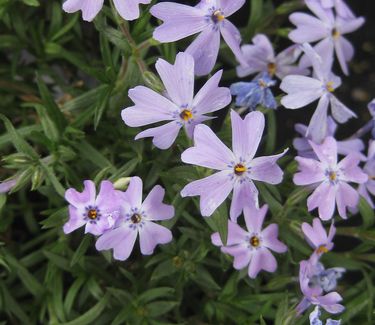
96, 228
134, 192
231, 6
75, 221
211, 97
178, 79
150, 107
330, 303
265, 169
246, 134
340, 112
152, 234
236, 235
243, 194
232, 37
317, 129
121, 240
350, 171
213, 190
216, 240
129, 9
163, 136
262, 259
323, 198
241, 253
107, 198
309, 29
154, 207
90, 8
208, 150
311, 172
349, 25
346, 196
254, 217
86, 197
315, 235
205, 49
327, 151
7, 185
180, 21
270, 240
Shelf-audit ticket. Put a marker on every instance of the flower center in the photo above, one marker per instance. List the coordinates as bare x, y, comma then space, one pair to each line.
92, 214
136, 218
239, 169
254, 241
217, 16
332, 176
262, 83
321, 249
329, 86
186, 115
271, 68
335, 33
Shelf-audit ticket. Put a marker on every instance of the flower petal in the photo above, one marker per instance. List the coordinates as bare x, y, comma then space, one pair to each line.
232, 37
90, 8
154, 207
86, 197
231, 6
327, 151
323, 198
309, 28
254, 217
152, 234
129, 9
134, 192
340, 112
310, 171
317, 129
75, 220
243, 194
346, 196
270, 240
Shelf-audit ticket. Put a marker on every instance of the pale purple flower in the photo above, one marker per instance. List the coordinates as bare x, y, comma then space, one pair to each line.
317, 237
137, 218
128, 9
237, 169
6, 186
302, 90
178, 106
251, 248
209, 18
328, 29
97, 212
344, 147
260, 58
340, 6
371, 108
314, 293
367, 189
331, 179
315, 315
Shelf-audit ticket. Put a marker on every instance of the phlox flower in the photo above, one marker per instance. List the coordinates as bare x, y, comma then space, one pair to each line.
331, 179
315, 315
209, 19
6, 186
237, 169
367, 189
317, 237
314, 293
178, 106
260, 58
97, 212
302, 90
340, 6
328, 29
127, 9
137, 218
251, 248
254, 93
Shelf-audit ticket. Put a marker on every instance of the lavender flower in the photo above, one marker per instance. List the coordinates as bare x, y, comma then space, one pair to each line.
137, 219
97, 213
344, 147
313, 292
302, 90
179, 106
340, 6
254, 93
128, 9
237, 169
6, 186
367, 189
260, 58
371, 108
315, 315
251, 248
209, 18
330, 178
328, 29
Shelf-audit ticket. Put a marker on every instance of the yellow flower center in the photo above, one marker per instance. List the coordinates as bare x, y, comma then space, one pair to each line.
136, 218
332, 176
271, 68
254, 241
322, 249
92, 214
239, 169
329, 86
186, 115
262, 83
217, 16
335, 33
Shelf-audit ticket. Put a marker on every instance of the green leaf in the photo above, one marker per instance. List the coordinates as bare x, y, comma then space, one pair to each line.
367, 213
155, 293
102, 104
81, 250
156, 309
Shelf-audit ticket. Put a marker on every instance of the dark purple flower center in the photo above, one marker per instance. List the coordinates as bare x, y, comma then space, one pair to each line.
136, 218
217, 16
186, 115
271, 67
254, 241
92, 214
239, 169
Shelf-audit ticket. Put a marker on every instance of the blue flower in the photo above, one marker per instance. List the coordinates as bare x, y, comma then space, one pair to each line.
314, 318
327, 278
254, 93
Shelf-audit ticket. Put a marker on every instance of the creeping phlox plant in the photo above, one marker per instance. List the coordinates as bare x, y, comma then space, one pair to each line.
192, 117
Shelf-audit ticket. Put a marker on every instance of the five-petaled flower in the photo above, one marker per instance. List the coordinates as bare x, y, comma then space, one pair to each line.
252, 247
137, 218
179, 106
237, 169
